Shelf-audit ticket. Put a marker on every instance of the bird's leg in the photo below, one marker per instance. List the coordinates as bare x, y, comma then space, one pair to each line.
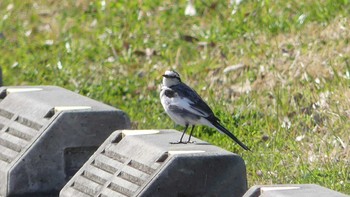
183, 134
181, 142
189, 139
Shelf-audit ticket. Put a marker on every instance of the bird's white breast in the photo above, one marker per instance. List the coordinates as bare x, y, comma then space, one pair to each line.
166, 102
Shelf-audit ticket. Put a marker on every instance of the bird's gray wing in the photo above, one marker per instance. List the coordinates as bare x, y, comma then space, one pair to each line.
196, 102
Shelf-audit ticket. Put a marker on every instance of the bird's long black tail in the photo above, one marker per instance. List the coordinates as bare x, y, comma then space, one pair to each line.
221, 128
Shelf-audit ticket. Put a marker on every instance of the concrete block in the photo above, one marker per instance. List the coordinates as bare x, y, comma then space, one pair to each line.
144, 163
291, 190
46, 134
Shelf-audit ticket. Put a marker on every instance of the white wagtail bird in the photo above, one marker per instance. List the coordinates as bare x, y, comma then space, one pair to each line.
185, 107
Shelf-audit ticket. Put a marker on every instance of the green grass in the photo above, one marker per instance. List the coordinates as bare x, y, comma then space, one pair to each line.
294, 85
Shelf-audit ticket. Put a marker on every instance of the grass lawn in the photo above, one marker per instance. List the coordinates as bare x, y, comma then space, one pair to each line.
277, 73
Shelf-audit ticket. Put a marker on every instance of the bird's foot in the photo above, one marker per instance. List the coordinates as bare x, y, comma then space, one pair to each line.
182, 142
178, 142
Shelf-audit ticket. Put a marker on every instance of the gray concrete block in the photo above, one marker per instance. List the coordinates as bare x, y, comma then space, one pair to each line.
144, 163
46, 134
291, 190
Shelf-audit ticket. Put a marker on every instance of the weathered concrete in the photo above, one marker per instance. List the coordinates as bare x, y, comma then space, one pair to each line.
47, 133
291, 190
144, 163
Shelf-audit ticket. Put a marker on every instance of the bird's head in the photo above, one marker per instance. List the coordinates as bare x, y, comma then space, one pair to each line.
171, 78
